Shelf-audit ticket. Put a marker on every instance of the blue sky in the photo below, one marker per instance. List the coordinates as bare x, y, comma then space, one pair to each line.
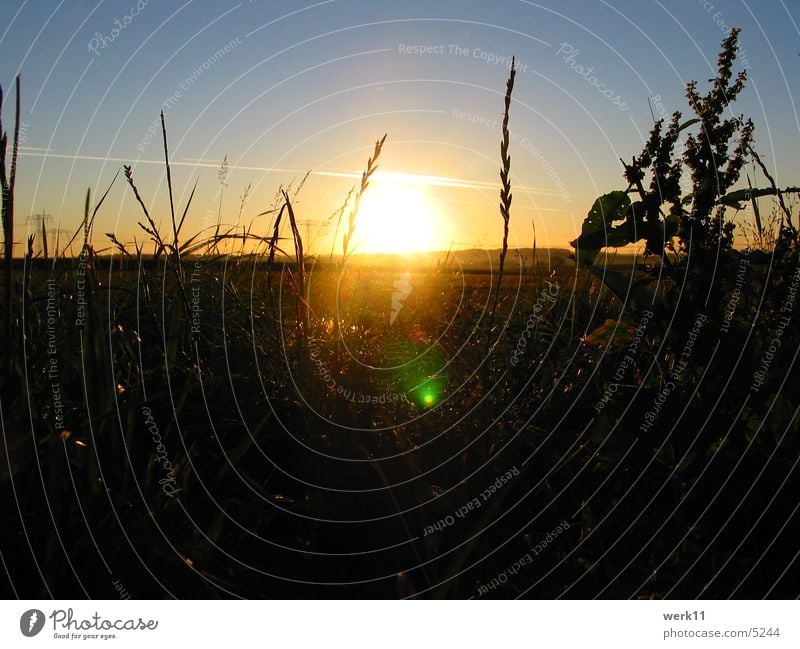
312, 85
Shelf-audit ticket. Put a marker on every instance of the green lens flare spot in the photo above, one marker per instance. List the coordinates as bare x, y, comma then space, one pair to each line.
421, 371
428, 394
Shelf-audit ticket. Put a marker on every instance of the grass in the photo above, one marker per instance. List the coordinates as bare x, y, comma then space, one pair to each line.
505, 179
271, 433
265, 455
8, 175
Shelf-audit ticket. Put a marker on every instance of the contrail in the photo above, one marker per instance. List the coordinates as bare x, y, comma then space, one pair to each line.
396, 176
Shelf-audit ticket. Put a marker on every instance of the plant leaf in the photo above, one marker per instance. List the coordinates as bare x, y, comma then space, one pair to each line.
596, 232
735, 198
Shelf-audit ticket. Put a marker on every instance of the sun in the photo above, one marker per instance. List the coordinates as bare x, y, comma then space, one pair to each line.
397, 217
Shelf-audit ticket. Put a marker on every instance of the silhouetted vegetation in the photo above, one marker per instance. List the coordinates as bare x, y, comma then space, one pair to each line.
193, 423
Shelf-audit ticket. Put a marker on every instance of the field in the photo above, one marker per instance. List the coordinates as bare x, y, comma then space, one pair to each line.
220, 452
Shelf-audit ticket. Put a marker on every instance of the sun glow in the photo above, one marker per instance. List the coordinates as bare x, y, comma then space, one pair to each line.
397, 217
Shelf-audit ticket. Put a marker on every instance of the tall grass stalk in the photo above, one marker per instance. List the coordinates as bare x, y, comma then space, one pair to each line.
7, 184
173, 250
222, 175
534, 269
338, 216
365, 177
505, 190
169, 190
785, 211
44, 240
300, 282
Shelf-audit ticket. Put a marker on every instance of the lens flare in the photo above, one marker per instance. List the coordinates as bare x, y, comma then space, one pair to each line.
421, 370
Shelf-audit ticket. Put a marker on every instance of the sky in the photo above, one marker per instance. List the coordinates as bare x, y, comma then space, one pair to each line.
282, 88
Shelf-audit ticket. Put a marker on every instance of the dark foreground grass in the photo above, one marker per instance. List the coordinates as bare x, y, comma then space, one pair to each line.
221, 452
